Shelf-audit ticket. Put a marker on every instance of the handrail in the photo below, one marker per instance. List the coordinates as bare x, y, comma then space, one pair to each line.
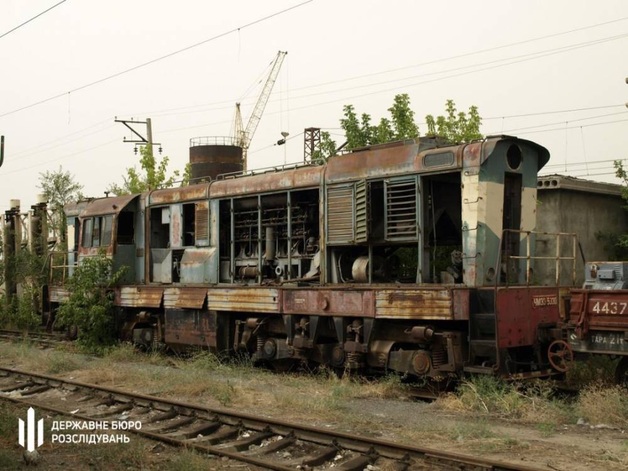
528, 257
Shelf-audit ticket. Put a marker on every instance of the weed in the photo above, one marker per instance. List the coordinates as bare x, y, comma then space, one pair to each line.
60, 362
493, 396
8, 422
514, 443
546, 429
202, 360
472, 431
187, 460
597, 369
602, 405
7, 460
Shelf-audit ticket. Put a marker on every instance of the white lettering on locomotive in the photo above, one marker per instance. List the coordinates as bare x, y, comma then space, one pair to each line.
543, 301
610, 307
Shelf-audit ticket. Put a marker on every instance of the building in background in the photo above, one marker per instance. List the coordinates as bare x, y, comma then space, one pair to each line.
574, 205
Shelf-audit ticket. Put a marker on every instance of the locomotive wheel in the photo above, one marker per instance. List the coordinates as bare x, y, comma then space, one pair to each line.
621, 372
560, 355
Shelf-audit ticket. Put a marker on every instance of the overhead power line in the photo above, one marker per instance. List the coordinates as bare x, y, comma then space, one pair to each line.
33, 18
153, 61
468, 54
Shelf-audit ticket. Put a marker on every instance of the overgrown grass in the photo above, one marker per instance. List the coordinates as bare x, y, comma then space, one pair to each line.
597, 369
603, 405
487, 395
535, 403
188, 460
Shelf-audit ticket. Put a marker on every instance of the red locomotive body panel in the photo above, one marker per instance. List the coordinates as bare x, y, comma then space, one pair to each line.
598, 321
520, 311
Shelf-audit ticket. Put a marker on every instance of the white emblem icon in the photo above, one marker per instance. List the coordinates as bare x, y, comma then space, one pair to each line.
29, 436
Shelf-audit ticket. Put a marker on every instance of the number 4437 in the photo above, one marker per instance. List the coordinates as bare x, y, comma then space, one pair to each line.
610, 307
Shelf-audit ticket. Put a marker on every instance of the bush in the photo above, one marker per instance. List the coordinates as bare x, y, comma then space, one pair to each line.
90, 306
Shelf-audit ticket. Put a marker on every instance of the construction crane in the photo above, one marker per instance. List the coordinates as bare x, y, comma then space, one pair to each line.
243, 136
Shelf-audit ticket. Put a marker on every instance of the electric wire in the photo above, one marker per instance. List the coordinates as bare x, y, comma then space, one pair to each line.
31, 19
153, 61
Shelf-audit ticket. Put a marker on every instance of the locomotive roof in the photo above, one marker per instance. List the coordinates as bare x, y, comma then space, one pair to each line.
102, 206
300, 177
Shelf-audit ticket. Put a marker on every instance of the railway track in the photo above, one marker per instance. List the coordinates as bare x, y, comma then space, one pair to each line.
42, 338
258, 441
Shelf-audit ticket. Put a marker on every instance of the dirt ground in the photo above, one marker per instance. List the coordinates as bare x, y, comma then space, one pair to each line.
372, 410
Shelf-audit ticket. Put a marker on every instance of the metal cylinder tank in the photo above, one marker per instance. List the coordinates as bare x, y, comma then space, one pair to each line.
212, 156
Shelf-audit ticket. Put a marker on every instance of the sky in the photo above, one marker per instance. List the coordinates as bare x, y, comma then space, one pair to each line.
552, 72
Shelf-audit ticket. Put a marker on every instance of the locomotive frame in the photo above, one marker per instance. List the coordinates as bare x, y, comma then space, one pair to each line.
405, 257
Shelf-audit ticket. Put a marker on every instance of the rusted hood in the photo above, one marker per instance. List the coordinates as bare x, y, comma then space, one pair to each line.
104, 206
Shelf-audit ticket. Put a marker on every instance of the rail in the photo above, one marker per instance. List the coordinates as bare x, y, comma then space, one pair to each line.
215, 141
259, 171
529, 258
257, 440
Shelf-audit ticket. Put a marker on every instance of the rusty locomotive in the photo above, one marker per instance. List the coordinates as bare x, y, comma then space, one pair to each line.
408, 257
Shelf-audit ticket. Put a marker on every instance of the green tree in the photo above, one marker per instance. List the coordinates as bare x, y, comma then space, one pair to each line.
360, 132
327, 149
357, 131
616, 245
151, 176
403, 125
59, 188
456, 127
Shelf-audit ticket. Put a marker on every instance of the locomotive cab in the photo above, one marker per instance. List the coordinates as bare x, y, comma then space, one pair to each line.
114, 226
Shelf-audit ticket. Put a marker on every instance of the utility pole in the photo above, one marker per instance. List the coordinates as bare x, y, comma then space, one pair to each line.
311, 142
1, 150
147, 141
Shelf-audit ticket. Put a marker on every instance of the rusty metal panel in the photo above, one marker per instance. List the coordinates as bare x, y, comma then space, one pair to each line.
602, 309
194, 266
180, 194
381, 161
103, 206
190, 327
436, 303
304, 177
330, 302
185, 297
243, 299
461, 304
139, 296
520, 312
402, 215
340, 211
201, 223
599, 320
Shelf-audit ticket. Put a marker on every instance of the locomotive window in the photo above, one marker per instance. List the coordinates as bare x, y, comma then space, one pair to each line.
125, 228
160, 228
87, 232
188, 224
96, 233
513, 157
107, 221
